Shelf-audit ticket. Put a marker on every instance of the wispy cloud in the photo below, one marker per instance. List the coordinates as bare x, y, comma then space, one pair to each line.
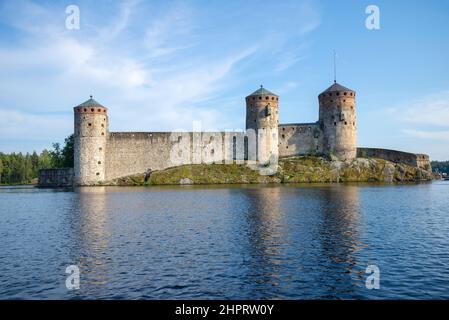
423, 134
157, 66
288, 60
429, 110
428, 116
170, 32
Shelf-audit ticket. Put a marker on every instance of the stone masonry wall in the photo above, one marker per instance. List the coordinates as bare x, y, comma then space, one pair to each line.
300, 139
62, 177
129, 153
415, 160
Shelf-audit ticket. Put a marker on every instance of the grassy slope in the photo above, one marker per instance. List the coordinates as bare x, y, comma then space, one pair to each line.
290, 170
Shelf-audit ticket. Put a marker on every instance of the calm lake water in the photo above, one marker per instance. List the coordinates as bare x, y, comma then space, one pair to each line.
226, 242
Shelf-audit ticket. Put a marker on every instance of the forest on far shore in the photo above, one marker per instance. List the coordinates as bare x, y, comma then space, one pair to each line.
440, 166
19, 168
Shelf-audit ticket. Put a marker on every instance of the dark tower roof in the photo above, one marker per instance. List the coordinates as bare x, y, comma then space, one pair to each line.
91, 103
337, 87
262, 91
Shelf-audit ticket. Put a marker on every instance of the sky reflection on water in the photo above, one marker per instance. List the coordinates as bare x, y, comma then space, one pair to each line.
226, 242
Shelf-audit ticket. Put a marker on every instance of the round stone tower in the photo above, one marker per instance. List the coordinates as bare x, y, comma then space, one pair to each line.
91, 132
262, 116
338, 122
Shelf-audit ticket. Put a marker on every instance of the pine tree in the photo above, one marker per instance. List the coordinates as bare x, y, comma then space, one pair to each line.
1, 167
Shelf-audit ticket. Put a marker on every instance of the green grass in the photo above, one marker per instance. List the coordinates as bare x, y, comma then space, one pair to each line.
290, 170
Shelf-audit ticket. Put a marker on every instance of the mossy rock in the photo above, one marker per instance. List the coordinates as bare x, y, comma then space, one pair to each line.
298, 169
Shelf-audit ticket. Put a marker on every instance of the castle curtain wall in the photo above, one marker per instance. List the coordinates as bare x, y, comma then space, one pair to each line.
415, 160
129, 153
300, 139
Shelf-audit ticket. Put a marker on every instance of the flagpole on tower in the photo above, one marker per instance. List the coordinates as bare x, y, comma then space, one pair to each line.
335, 67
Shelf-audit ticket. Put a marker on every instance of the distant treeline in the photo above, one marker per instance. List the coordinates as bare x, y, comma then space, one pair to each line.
19, 168
440, 166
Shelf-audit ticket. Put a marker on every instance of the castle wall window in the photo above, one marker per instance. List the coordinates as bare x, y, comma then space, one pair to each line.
89, 124
85, 110
267, 98
98, 173
101, 149
234, 148
92, 110
260, 98
245, 148
267, 111
99, 162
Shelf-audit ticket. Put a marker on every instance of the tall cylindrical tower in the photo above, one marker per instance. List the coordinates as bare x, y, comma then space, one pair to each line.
91, 132
338, 122
262, 115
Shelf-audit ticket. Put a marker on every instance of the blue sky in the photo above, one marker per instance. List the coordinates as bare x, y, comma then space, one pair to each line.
159, 65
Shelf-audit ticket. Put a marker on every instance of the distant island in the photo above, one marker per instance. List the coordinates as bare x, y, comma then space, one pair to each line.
266, 152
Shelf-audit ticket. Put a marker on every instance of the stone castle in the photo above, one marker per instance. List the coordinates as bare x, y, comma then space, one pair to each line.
101, 155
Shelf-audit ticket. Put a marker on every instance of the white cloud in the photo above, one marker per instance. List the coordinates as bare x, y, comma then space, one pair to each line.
17, 124
169, 33
429, 110
153, 74
423, 134
288, 61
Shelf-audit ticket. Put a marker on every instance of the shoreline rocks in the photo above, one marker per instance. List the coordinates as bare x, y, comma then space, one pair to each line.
301, 169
